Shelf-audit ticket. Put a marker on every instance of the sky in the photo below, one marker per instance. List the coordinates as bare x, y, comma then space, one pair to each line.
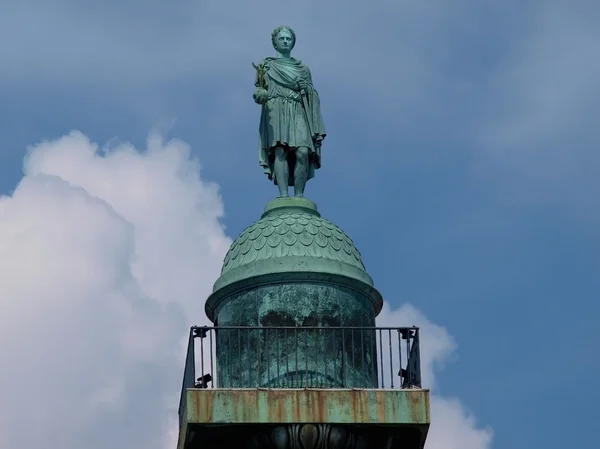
461, 158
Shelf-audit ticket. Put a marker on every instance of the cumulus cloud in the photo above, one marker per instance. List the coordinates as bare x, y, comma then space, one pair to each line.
175, 214
453, 426
107, 255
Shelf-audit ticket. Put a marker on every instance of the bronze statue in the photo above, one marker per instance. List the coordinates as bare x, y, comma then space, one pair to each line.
291, 126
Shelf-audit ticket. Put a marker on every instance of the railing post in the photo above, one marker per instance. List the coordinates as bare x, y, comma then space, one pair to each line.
189, 372
416, 356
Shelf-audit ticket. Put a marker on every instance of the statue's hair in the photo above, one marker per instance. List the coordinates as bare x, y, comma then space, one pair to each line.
276, 31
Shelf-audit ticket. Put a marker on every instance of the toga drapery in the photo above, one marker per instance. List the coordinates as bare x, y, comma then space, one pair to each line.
288, 118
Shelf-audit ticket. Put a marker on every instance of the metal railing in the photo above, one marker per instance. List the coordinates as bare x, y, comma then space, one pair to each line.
302, 357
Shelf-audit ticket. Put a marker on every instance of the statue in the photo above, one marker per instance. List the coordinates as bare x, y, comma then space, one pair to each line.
291, 126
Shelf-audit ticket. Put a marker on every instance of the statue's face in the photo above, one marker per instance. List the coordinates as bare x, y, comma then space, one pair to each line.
284, 42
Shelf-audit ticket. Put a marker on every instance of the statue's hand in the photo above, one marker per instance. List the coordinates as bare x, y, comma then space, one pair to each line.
302, 85
261, 96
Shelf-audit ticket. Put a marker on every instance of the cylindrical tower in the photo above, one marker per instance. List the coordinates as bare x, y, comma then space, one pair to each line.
300, 363
291, 274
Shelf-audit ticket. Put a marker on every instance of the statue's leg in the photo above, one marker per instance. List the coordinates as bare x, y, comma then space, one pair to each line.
300, 171
282, 173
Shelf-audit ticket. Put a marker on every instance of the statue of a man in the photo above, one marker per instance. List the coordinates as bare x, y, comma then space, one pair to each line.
291, 126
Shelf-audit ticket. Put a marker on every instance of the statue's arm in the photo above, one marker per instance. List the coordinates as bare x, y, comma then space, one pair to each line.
260, 94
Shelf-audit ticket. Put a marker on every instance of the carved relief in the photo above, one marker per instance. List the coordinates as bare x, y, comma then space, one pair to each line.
311, 436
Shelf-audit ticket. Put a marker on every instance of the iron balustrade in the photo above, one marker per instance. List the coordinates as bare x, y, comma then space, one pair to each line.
301, 357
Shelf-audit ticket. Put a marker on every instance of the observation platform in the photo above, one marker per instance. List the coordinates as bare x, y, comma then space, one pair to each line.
389, 414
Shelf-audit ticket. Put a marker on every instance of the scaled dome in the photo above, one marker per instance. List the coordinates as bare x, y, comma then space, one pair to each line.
285, 232
290, 244
291, 237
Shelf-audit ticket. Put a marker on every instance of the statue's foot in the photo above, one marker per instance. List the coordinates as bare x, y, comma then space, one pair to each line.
283, 195
298, 195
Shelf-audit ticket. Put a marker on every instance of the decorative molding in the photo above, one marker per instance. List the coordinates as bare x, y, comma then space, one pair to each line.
314, 436
300, 270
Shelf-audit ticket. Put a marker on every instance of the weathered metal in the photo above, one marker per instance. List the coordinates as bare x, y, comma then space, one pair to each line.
294, 352
343, 406
404, 413
302, 357
293, 268
296, 357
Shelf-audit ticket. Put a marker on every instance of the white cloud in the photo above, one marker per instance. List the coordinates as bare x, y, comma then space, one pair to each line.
107, 255
174, 213
452, 426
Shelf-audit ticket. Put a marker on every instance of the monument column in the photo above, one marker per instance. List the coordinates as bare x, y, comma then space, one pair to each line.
294, 359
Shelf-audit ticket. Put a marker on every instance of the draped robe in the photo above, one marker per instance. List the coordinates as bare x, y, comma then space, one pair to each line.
289, 118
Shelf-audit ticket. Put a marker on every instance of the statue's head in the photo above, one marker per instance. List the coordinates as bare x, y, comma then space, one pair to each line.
283, 39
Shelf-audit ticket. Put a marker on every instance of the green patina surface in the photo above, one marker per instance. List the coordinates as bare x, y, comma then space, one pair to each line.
297, 357
291, 241
292, 227
291, 128
294, 268
261, 406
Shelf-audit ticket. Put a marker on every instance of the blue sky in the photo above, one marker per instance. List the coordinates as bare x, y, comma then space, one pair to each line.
461, 157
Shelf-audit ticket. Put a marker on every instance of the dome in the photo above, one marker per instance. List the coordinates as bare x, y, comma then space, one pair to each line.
292, 231
292, 245
291, 237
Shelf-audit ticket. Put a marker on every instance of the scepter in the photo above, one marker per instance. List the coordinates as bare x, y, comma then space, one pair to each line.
260, 76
